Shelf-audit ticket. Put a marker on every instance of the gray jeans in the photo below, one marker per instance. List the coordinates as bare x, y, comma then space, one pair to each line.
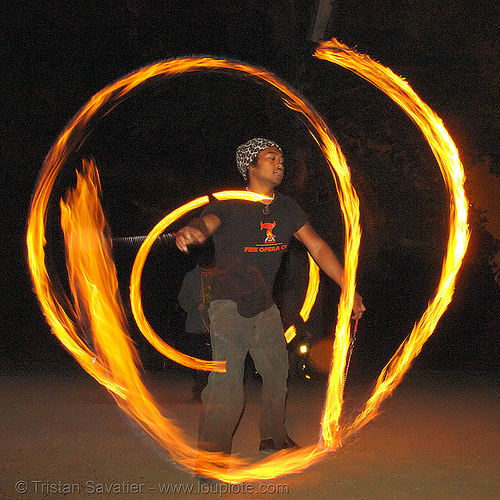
233, 336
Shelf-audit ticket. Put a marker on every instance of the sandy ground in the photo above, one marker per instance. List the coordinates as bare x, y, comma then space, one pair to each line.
436, 438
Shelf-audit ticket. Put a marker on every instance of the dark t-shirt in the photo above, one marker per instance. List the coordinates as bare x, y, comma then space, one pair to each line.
249, 246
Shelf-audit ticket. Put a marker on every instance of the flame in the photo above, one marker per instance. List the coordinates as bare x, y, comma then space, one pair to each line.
135, 294
452, 170
310, 299
312, 289
95, 290
290, 333
135, 283
94, 287
240, 195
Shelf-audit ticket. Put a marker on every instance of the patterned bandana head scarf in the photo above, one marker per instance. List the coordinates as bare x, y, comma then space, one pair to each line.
247, 152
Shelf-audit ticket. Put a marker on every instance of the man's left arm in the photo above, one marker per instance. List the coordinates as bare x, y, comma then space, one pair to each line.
326, 259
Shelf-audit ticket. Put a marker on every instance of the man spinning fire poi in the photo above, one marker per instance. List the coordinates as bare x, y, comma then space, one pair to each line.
250, 239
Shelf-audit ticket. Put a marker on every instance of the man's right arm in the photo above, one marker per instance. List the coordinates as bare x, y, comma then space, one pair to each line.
196, 232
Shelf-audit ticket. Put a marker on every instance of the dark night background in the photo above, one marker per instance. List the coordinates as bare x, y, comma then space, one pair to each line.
174, 139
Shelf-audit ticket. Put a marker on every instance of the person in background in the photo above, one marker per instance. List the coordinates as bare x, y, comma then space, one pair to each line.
194, 300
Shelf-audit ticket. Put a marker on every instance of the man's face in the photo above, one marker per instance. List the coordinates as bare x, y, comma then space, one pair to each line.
269, 165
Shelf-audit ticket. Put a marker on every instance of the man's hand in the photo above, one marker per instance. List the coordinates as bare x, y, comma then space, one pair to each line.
188, 236
358, 308
196, 232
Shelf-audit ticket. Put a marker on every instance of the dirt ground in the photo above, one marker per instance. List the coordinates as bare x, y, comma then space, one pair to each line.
436, 438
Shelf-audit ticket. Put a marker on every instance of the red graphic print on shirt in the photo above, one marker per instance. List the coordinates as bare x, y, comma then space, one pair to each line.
268, 226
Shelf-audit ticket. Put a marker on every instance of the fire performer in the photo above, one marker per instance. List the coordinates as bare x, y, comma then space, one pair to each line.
250, 239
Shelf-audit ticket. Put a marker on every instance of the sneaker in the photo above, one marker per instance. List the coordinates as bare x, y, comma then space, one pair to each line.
290, 443
267, 446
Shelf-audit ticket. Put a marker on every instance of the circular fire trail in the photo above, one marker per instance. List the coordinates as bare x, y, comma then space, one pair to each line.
140, 260
113, 361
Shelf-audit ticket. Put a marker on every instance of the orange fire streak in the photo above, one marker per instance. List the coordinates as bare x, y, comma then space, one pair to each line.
312, 289
452, 170
135, 294
121, 376
69, 140
95, 288
135, 282
310, 299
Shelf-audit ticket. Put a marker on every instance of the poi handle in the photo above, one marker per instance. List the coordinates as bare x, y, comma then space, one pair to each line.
138, 240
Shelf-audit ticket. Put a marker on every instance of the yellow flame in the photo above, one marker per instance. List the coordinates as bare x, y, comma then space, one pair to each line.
70, 139
93, 278
95, 290
135, 283
240, 195
121, 376
310, 299
135, 294
452, 170
312, 289
290, 333
74, 135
